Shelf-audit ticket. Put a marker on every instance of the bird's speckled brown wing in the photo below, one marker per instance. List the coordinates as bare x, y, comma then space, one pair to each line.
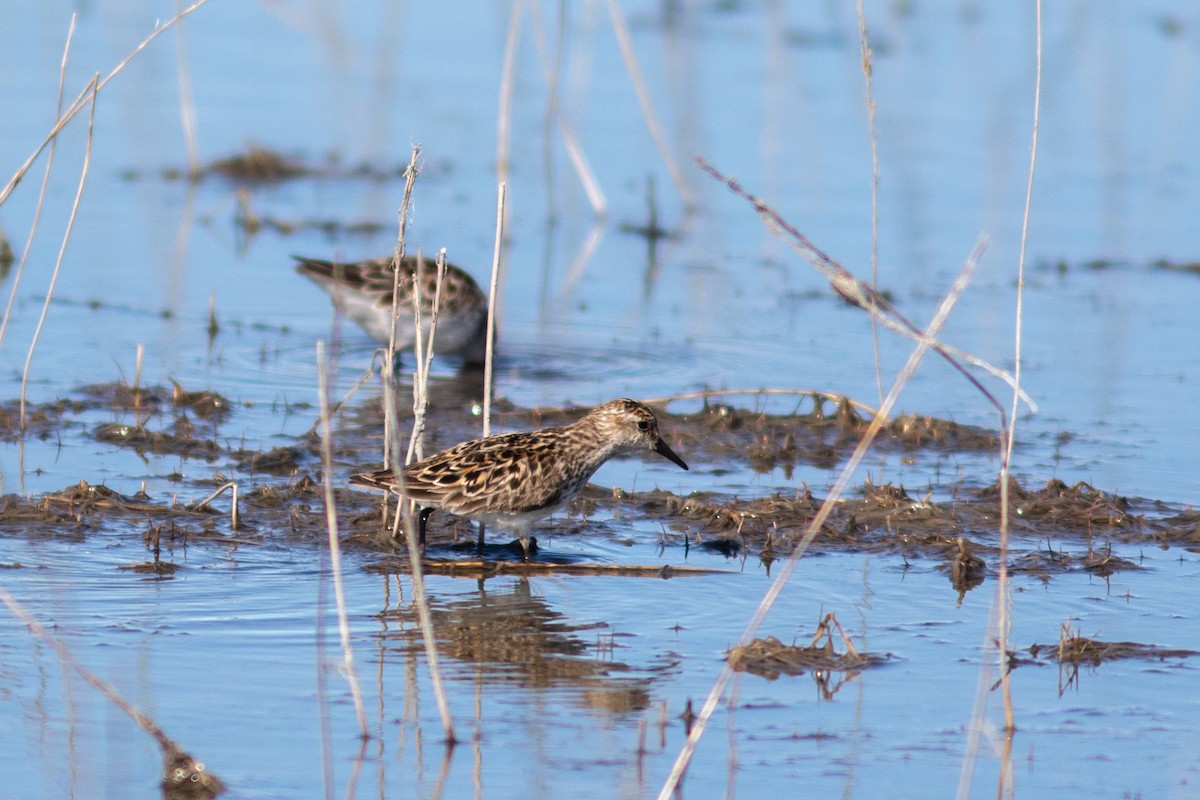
506, 474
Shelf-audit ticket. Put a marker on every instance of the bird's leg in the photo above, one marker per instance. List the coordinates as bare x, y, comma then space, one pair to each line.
525, 544
421, 520
479, 546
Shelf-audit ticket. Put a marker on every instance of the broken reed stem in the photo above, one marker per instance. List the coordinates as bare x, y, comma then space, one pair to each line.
172, 754
82, 99
62, 249
335, 552
925, 342
872, 135
37, 210
235, 521
490, 355
643, 95
504, 114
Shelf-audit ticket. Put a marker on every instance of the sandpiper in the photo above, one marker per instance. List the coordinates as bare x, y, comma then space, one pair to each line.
362, 290
512, 480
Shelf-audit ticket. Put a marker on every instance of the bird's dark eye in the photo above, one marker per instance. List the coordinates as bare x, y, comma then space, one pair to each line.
644, 424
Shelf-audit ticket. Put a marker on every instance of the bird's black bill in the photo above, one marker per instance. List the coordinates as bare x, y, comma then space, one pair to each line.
666, 452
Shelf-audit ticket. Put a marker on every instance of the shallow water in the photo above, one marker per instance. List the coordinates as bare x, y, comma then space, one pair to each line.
225, 655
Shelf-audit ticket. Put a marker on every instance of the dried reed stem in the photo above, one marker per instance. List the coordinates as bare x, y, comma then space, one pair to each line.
235, 522
1000, 625
37, 210
643, 95
926, 340
62, 249
335, 552
504, 114
859, 294
81, 100
490, 356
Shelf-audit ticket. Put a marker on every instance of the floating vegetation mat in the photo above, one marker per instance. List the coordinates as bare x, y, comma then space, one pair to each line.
770, 658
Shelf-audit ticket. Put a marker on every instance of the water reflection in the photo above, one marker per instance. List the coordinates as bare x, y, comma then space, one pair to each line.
514, 637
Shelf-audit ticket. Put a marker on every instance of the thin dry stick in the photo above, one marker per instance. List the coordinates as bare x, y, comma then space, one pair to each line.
81, 100
504, 114
37, 210
926, 340
358, 384
643, 96
868, 69
858, 293
182, 766
490, 355
335, 552
1000, 625
62, 250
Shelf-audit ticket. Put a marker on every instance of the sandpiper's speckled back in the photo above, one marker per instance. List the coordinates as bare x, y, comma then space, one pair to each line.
513, 479
362, 290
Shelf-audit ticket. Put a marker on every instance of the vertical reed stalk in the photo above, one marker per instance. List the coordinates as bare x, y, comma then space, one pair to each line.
37, 210
489, 358
62, 250
504, 114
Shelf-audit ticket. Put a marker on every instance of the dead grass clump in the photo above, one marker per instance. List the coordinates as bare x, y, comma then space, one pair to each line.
770, 658
1081, 506
205, 404
256, 165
